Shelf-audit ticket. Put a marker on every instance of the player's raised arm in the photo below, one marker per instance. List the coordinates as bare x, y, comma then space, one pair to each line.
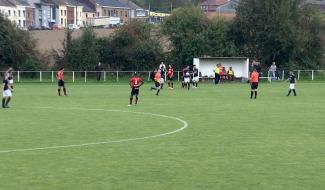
141, 82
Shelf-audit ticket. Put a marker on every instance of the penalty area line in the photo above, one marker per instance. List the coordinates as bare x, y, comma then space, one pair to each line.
184, 126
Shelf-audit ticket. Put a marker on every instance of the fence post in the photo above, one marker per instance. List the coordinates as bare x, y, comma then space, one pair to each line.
298, 74
85, 76
283, 75
312, 75
72, 76
40, 76
52, 76
104, 76
165, 76
116, 76
178, 76
149, 76
18, 76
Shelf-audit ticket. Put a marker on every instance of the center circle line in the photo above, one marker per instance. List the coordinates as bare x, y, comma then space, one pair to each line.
185, 125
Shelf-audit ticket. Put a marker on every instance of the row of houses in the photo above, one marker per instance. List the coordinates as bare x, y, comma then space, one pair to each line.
46, 13
227, 8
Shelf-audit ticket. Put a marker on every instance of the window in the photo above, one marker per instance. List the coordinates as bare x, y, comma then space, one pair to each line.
105, 12
19, 13
24, 13
24, 23
97, 13
93, 15
86, 15
9, 12
65, 12
61, 21
61, 12
14, 13
19, 21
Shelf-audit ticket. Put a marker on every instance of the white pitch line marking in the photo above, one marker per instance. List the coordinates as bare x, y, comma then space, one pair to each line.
185, 125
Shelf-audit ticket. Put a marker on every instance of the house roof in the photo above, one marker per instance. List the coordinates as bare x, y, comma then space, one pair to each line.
229, 7
6, 3
130, 4
214, 2
315, 2
111, 3
19, 2
87, 6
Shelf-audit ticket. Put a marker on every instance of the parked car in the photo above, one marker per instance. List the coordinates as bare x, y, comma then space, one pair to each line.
57, 27
34, 28
22, 28
116, 25
73, 26
45, 27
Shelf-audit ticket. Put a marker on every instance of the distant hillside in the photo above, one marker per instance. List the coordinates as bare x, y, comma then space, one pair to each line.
163, 5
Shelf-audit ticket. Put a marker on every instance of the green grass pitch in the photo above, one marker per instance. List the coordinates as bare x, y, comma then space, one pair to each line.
231, 143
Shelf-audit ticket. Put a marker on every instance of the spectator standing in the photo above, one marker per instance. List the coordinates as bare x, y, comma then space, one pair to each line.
230, 74
99, 70
272, 71
217, 71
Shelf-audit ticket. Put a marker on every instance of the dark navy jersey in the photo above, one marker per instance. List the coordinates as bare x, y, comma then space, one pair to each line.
196, 72
292, 79
185, 71
187, 74
5, 87
162, 71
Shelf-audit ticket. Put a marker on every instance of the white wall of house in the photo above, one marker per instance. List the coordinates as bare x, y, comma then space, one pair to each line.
87, 15
21, 16
78, 19
63, 15
9, 12
16, 15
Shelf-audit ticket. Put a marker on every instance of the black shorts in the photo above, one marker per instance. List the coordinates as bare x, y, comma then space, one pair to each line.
135, 92
61, 83
254, 85
157, 84
170, 78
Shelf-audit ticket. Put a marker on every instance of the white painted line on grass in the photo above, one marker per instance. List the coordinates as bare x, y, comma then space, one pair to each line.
185, 125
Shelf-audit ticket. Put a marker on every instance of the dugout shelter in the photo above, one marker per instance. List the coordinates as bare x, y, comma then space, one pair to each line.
240, 65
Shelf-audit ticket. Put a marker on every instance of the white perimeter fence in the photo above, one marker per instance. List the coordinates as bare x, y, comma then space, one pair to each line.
120, 76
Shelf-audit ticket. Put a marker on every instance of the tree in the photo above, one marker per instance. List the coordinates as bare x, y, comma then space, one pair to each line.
86, 51
193, 35
276, 31
16, 46
79, 54
132, 47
